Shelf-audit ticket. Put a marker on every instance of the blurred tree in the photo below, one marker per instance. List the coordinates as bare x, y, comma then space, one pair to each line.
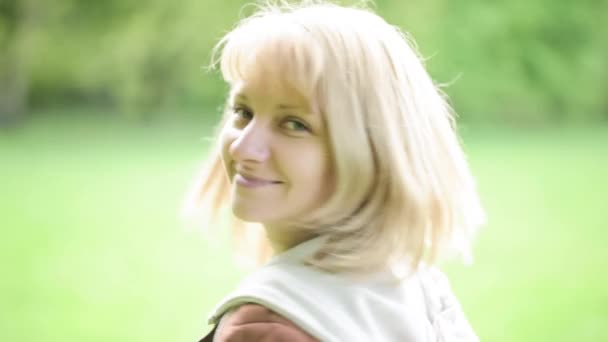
525, 61
16, 21
518, 61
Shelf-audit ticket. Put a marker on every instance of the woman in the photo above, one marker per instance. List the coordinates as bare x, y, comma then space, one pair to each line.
338, 157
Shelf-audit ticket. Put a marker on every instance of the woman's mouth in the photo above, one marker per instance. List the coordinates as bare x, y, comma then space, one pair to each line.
253, 182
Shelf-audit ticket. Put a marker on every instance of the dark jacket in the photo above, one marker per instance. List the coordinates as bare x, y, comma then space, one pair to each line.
255, 323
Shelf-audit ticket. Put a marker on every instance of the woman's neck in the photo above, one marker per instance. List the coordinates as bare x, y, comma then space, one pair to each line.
282, 238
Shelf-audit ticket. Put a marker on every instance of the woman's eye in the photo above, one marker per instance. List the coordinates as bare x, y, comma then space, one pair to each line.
242, 113
295, 125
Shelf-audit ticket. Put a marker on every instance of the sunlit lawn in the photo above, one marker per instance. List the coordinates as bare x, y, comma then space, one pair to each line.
92, 248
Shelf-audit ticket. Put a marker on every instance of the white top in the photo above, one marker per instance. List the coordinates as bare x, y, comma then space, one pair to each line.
334, 307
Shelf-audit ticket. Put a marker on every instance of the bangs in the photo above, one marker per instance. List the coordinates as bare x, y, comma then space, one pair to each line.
272, 47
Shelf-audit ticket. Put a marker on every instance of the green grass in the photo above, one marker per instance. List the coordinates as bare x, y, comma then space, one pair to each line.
541, 260
92, 247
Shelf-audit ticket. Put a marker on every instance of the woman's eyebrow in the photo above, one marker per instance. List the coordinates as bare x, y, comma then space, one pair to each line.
280, 106
240, 96
288, 106
302, 109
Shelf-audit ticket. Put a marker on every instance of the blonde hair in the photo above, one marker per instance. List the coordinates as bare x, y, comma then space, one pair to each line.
403, 186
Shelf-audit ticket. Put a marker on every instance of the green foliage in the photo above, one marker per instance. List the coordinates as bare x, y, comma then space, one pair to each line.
518, 61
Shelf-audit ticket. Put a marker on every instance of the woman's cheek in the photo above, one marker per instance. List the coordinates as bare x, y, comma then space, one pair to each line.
227, 137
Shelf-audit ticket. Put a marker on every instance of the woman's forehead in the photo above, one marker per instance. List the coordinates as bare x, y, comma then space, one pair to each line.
270, 89
272, 56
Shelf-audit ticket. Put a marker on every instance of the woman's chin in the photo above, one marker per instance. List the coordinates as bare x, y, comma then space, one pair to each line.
248, 215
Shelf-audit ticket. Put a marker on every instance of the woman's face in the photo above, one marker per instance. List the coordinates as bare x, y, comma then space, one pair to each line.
275, 152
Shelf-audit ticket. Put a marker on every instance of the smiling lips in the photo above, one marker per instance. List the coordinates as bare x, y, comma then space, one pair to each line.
253, 182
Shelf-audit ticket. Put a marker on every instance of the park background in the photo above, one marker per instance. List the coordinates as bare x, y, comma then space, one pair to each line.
104, 111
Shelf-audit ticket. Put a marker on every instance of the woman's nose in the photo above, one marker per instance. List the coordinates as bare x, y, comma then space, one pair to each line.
251, 144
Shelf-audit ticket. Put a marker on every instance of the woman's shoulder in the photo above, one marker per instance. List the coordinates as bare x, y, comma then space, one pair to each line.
253, 322
293, 304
